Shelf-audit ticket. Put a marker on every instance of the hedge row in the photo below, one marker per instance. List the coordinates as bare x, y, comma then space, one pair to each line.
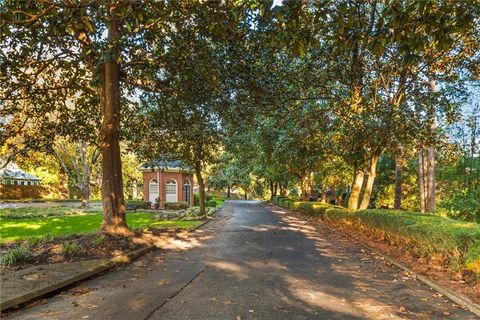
452, 242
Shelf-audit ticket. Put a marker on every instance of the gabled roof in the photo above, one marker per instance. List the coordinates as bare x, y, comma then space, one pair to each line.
166, 165
13, 172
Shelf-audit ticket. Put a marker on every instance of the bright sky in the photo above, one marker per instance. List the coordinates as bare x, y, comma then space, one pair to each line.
277, 3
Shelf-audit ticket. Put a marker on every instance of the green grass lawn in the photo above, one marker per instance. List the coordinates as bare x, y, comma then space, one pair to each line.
18, 229
219, 201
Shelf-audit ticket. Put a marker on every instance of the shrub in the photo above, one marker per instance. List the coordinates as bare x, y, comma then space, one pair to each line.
196, 199
70, 248
275, 199
33, 241
209, 197
29, 212
278, 199
176, 205
456, 243
140, 204
99, 240
16, 255
464, 207
311, 208
211, 203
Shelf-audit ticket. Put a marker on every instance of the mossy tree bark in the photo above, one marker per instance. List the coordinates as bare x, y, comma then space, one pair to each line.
356, 188
114, 218
370, 180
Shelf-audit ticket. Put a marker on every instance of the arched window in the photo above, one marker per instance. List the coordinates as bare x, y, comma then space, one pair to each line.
186, 191
171, 191
153, 190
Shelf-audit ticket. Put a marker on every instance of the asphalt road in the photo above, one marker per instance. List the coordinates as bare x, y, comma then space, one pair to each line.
253, 261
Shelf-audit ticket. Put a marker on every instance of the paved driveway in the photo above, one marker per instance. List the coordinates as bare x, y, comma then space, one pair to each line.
252, 262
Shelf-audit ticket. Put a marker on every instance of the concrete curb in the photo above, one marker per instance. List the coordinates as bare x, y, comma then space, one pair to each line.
113, 262
200, 225
120, 260
59, 285
455, 297
133, 255
207, 220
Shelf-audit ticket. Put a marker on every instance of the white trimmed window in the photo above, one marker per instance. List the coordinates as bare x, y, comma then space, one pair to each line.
171, 191
153, 190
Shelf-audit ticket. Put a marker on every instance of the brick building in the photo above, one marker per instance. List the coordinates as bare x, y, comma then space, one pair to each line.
170, 181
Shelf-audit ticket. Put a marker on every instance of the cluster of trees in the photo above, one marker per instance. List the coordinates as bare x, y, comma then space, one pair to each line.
303, 93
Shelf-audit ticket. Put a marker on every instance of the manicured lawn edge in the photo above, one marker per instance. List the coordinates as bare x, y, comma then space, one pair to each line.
453, 243
12, 230
103, 266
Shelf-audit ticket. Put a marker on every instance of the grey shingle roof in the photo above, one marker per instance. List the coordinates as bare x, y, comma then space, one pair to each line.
165, 164
13, 172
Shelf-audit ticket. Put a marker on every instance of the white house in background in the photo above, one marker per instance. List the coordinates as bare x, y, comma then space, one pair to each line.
13, 175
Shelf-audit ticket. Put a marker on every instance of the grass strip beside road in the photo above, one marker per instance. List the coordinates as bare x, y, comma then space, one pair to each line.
20, 229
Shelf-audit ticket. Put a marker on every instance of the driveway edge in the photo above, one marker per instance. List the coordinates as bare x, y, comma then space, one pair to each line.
108, 264
454, 296
54, 287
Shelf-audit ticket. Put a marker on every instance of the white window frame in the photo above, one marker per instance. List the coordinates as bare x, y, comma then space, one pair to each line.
152, 197
171, 186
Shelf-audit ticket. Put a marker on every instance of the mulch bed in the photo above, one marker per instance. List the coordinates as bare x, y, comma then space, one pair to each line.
464, 283
48, 252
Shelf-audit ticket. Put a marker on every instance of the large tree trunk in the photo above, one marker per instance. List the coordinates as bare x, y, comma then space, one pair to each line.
114, 218
473, 147
397, 202
271, 190
356, 188
86, 196
430, 203
370, 180
421, 179
86, 170
323, 196
305, 183
333, 193
430, 199
201, 190
228, 191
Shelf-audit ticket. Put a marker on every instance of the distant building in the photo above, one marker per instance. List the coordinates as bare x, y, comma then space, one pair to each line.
170, 181
13, 175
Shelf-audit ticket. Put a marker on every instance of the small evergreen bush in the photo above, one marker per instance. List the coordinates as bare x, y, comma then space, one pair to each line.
176, 205
211, 203
70, 248
16, 255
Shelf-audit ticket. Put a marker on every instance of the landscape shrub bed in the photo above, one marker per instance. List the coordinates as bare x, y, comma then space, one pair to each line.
211, 203
29, 212
140, 204
451, 242
176, 205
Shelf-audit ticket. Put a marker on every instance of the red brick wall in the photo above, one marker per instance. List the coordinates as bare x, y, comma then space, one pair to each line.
164, 177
